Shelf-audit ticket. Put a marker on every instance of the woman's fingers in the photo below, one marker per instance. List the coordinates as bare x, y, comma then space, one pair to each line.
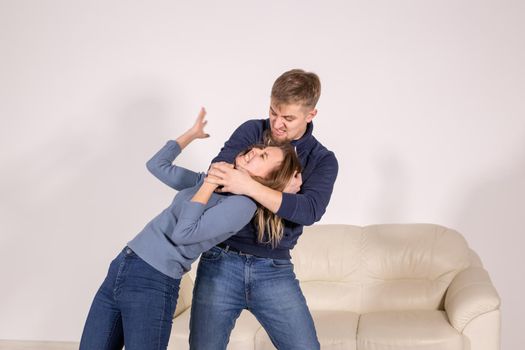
222, 166
213, 177
216, 173
202, 114
200, 123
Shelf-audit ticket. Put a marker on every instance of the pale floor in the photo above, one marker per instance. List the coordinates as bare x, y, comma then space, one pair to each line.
37, 345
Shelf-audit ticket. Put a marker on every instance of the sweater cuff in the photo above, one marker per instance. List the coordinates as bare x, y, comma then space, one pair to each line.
174, 146
288, 206
192, 210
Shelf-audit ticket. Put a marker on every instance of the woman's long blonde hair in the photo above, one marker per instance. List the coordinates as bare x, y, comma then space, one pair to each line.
269, 225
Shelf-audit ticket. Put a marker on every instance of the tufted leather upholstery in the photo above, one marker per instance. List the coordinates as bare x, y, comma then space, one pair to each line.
379, 287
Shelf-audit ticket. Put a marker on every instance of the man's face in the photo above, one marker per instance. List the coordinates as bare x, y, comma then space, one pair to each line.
289, 121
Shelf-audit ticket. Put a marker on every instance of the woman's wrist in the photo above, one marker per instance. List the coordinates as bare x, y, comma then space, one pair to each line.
186, 138
209, 186
204, 193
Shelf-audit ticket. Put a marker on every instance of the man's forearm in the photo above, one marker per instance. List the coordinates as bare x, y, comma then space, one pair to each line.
267, 197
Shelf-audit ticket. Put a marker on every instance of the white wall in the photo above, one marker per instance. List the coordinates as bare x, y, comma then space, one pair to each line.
423, 103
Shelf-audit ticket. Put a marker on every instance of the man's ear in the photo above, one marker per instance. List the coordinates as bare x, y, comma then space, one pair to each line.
311, 115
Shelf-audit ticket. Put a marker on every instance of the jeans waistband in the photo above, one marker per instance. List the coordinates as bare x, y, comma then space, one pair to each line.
228, 248
127, 251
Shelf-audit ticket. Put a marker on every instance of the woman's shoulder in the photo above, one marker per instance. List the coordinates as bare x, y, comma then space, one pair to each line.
235, 199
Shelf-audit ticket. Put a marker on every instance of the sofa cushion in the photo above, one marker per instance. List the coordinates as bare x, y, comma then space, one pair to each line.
380, 267
407, 330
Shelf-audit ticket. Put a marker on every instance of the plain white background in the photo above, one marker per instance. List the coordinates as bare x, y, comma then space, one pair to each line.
422, 102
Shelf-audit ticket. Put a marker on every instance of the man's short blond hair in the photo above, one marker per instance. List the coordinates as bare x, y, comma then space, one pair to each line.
297, 86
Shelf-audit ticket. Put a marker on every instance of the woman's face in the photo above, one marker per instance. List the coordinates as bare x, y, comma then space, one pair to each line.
259, 161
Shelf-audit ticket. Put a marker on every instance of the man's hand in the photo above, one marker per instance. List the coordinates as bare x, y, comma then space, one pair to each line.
232, 180
295, 183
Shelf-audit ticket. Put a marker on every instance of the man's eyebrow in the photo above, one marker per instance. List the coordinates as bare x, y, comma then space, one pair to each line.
285, 116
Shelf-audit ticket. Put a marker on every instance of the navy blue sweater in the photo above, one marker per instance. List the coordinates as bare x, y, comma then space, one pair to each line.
304, 208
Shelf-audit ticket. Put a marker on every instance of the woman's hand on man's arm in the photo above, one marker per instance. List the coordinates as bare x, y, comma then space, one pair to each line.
295, 183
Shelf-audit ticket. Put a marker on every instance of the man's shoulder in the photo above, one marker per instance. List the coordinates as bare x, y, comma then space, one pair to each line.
254, 124
251, 129
321, 161
320, 151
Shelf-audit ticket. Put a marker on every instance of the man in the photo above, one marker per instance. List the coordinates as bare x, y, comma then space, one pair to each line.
243, 272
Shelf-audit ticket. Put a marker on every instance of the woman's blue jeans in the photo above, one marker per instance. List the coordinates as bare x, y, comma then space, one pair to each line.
228, 282
133, 307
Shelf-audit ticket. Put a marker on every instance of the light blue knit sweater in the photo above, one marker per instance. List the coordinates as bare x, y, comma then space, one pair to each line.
176, 237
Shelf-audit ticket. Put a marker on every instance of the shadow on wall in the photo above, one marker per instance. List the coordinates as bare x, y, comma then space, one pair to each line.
494, 212
76, 158
76, 182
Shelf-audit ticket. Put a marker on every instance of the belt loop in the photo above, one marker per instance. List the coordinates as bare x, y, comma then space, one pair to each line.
227, 248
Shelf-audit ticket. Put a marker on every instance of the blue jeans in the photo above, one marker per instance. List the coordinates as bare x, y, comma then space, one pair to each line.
228, 282
133, 307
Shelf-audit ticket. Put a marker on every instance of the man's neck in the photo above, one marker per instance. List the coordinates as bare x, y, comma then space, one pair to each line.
302, 133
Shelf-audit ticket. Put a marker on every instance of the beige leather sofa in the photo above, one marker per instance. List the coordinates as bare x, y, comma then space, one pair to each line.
402, 286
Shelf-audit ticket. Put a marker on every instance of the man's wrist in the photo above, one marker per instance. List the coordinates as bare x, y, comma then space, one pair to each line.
253, 189
266, 196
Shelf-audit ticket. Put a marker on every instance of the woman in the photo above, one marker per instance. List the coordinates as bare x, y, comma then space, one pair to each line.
135, 304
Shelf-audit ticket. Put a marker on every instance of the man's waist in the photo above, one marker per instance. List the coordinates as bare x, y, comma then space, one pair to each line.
261, 251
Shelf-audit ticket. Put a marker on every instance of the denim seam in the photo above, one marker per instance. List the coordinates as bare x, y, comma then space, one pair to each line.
110, 336
162, 315
118, 279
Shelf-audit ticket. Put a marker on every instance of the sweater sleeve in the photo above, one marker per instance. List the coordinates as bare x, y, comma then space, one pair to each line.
309, 205
195, 224
162, 167
244, 136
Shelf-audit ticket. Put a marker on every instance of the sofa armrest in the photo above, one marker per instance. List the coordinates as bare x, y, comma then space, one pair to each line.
185, 295
470, 294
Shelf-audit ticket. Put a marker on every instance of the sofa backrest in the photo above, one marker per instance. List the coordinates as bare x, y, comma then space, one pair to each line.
379, 267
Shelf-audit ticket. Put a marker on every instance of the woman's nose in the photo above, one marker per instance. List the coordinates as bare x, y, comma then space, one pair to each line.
249, 155
253, 153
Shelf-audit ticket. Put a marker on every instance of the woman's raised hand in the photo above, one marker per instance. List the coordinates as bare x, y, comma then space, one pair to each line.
195, 132
197, 129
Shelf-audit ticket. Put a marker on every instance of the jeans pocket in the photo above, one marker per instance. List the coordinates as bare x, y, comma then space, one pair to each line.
212, 254
282, 263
